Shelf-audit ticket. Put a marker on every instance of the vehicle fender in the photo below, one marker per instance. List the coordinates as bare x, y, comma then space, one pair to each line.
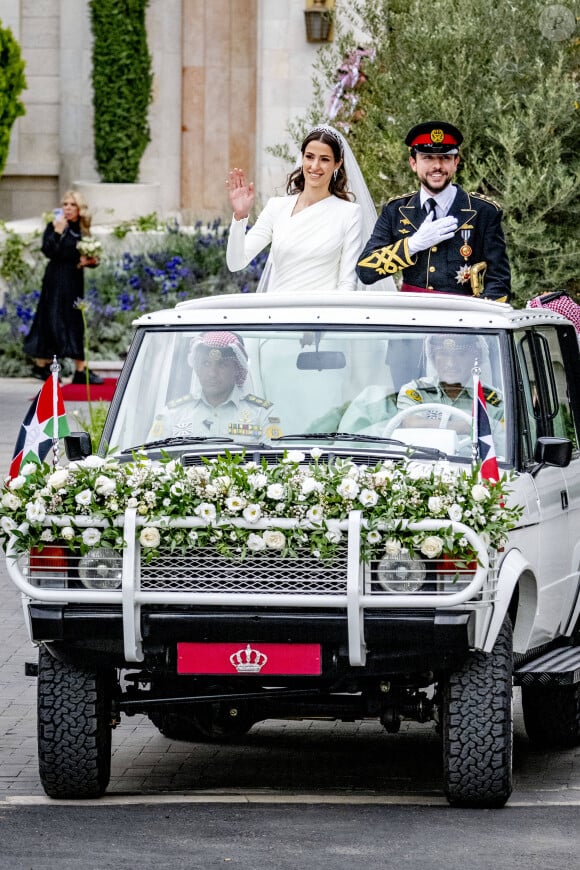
515, 572
570, 622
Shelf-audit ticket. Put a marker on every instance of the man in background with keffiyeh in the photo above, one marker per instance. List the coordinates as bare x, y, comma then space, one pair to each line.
441, 238
219, 405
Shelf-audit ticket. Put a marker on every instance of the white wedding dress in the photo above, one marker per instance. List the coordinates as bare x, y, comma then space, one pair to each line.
315, 250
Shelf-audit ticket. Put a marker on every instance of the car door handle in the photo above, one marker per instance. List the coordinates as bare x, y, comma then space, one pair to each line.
564, 498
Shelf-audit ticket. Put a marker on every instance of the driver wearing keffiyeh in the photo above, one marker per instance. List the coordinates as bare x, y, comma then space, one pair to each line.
219, 405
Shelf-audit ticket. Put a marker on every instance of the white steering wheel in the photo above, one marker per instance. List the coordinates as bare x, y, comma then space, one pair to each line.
445, 412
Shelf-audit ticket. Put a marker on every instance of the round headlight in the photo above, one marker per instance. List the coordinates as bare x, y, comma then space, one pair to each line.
101, 568
401, 573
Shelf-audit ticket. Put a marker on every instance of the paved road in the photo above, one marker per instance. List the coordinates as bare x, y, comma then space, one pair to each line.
302, 762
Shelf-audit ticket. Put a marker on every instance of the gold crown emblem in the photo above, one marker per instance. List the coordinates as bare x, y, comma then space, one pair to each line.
437, 136
248, 660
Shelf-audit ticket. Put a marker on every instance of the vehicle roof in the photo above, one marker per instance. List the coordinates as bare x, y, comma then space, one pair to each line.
368, 308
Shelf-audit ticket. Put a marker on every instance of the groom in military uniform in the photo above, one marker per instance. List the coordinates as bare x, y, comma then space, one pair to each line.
441, 238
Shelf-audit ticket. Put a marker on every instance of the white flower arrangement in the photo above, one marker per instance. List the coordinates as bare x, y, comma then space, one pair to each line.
82, 505
89, 247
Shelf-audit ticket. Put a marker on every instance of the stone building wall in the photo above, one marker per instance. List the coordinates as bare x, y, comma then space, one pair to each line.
228, 77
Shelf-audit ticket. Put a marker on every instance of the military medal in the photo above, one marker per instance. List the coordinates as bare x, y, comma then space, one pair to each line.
465, 250
463, 274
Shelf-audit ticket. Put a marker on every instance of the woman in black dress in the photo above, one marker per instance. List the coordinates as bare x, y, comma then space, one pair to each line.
57, 328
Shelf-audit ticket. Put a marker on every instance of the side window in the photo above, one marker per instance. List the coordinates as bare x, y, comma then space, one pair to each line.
546, 397
558, 410
529, 399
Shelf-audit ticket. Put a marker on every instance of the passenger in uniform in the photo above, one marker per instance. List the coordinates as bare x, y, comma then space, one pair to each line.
452, 357
220, 406
440, 237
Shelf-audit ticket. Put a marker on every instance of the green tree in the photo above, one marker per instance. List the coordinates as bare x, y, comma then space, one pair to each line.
12, 83
507, 79
122, 87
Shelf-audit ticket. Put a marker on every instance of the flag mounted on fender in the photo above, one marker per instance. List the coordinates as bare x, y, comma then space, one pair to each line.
482, 438
43, 425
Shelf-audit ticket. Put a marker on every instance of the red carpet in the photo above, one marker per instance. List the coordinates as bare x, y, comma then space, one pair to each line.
98, 392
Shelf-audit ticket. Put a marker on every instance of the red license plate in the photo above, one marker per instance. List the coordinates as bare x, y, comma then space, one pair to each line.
249, 659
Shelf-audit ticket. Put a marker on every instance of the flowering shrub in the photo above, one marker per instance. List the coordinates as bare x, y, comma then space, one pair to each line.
147, 272
229, 498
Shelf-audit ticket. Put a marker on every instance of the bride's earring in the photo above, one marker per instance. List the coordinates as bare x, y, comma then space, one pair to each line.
335, 174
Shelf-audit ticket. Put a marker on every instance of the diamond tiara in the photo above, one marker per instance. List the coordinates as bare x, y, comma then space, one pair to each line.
331, 133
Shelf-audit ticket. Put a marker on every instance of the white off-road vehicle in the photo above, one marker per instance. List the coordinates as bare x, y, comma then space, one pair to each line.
316, 540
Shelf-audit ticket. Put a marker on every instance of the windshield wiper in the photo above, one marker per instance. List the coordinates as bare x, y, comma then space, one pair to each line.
369, 439
175, 440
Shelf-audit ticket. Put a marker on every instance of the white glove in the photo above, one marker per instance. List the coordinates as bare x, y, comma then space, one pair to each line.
431, 232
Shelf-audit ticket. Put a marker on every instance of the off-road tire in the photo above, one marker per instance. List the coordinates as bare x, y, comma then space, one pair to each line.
74, 728
552, 715
477, 727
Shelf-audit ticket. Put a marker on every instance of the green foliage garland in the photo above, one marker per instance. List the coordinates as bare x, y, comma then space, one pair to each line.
12, 83
122, 87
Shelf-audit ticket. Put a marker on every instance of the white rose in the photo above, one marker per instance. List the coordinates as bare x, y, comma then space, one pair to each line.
392, 547
432, 547
334, 536
455, 513
28, 468
10, 501
35, 511
206, 511
435, 503
17, 482
348, 488
315, 514
418, 471
275, 491
92, 461
58, 478
257, 481
91, 537
479, 492
8, 524
84, 498
295, 456
252, 513
255, 543
149, 537
46, 535
309, 484
132, 502
274, 540
316, 453
368, 498
104, 485
67, 533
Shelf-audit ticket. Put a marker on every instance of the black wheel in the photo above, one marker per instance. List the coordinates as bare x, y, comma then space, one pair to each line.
552, 715
477, 727
74, 728
217, 722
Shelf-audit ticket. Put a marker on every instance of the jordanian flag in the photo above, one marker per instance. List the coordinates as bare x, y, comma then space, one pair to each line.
482, 434
46, 416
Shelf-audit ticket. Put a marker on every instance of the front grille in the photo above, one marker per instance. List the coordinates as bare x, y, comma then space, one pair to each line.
204, 570
274, 455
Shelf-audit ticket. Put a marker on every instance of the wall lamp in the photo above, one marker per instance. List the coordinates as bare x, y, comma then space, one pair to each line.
318, 17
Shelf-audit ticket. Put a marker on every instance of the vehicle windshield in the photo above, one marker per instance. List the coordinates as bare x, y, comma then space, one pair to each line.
254, 386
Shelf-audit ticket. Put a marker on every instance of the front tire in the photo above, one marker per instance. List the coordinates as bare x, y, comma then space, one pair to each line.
552, 715
477, 724
74, 728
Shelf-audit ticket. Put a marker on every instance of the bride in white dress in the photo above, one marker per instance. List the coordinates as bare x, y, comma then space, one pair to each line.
317, 231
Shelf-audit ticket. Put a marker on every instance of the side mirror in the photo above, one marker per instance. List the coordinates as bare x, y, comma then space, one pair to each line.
320, 360
77, 446
553, 451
